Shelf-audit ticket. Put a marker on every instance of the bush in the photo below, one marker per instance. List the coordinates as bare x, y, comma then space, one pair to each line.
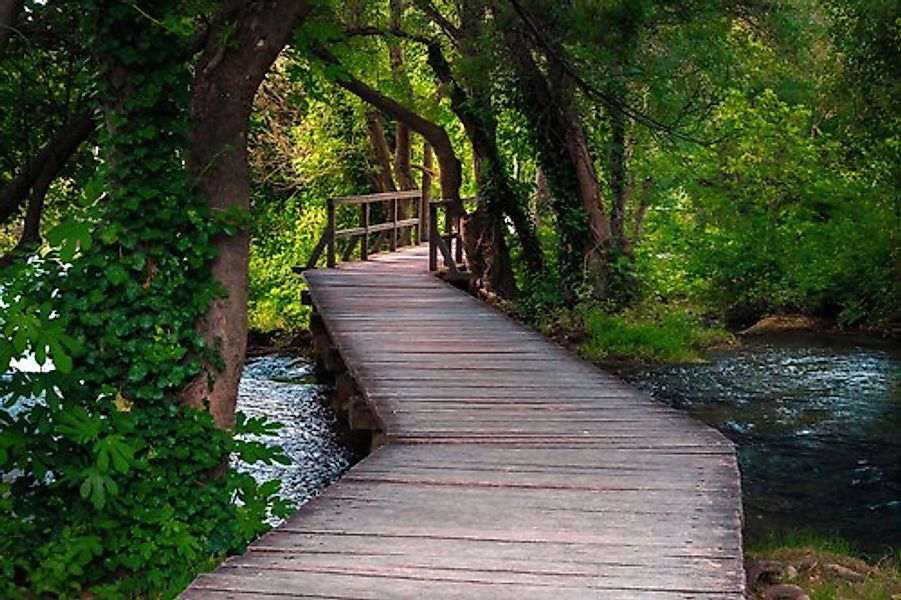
659, 335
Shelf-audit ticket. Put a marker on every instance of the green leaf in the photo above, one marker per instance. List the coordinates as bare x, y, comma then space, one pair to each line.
76, 424
116, 274
97, 486
61, 358
68, 236
114, 449
93, 190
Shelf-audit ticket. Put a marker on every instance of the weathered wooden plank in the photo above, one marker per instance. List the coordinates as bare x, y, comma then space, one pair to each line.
456, 550
490, 571
381, 586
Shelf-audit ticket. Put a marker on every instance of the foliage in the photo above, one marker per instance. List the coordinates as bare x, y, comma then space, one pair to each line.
773, 219
306, 145
659, 334
45, 82
291, 232
111, 486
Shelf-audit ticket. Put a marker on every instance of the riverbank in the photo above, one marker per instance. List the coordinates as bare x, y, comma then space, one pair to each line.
799, 566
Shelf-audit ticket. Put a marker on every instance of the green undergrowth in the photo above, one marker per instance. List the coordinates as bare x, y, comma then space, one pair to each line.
649, 333
655, 334
831, 543
828, 567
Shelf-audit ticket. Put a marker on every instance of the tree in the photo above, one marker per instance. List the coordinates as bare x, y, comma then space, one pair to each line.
141, 304
222, 92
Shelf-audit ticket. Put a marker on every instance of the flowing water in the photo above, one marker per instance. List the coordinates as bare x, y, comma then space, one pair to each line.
284, 389
817, 423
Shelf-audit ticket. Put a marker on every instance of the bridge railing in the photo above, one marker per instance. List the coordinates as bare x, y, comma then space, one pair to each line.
391, 225
448, 241
434, 221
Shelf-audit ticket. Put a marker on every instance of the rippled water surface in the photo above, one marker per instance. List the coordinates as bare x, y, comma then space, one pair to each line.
284, 389
817, 423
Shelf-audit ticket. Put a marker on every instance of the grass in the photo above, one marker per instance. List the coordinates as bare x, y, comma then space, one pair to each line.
647, 334
817, 563
830, 543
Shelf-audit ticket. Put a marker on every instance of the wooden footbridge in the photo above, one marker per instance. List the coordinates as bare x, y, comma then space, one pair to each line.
510, 468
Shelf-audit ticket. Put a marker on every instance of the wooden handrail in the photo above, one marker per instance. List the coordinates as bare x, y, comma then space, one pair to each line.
379, 197
393, 225
449, 242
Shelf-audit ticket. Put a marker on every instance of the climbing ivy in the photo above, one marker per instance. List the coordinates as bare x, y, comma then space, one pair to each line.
111, 485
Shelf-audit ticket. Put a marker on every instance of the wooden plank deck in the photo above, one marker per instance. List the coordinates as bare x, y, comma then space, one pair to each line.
513, 469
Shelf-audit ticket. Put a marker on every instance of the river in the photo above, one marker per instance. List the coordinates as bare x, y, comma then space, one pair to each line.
817, 423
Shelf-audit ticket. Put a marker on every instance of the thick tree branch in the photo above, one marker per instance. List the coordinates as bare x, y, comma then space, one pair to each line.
451, 171
47, 163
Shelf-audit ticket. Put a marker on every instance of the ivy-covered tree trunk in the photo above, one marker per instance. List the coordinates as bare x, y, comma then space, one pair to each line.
244, 41
567, 163
484, 231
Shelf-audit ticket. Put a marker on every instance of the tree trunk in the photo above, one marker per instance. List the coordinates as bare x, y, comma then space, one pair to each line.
9, 11
426, 192
542, 198
477, 117
403, 171
567, 164
589, 188
402, 147
617, 166
488, 257
382, 179
226, 80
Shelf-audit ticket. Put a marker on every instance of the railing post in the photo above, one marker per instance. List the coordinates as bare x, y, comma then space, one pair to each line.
425, 199
364, 247
331, 227
422, 229
393, 208
459, 235
433, 235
